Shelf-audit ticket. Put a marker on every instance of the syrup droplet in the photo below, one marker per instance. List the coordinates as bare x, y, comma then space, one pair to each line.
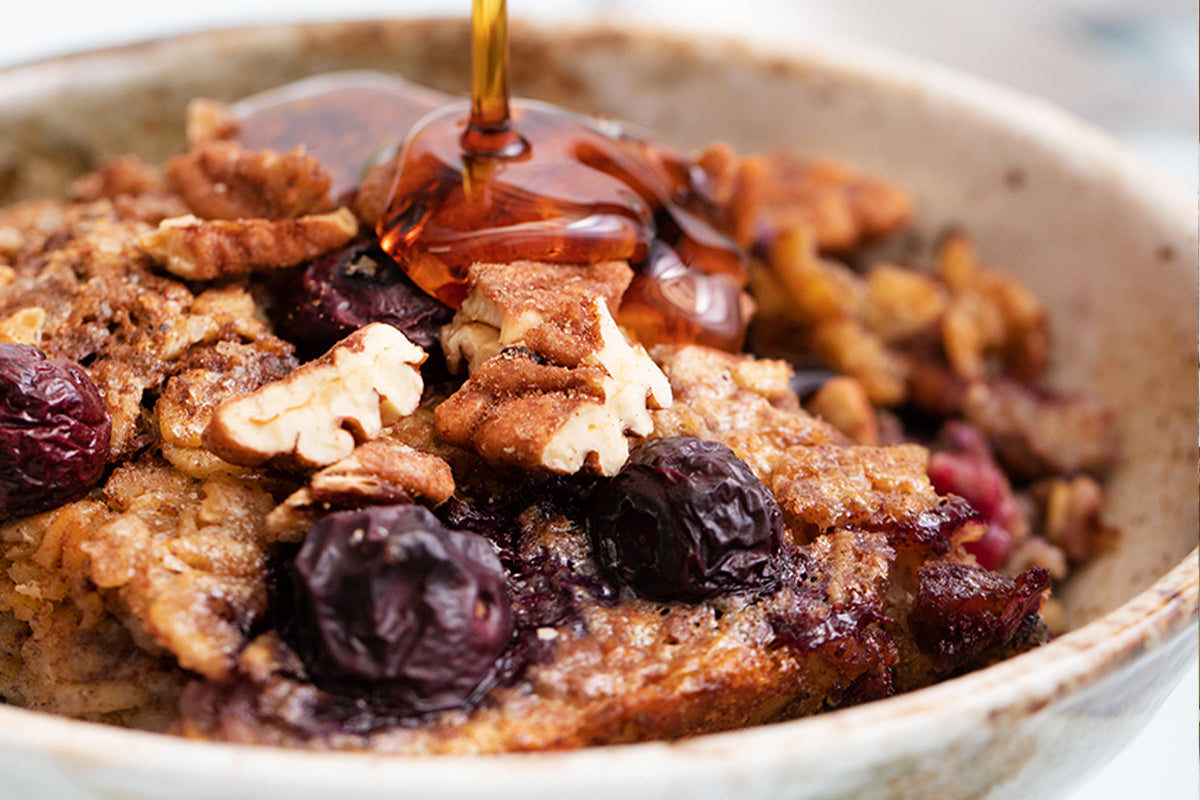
494, 181
348, 120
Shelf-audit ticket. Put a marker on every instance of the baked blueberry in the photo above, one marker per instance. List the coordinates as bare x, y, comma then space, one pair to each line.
392, 605
686, 519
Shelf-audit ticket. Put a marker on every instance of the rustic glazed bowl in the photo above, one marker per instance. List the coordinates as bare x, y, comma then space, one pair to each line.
1108, 245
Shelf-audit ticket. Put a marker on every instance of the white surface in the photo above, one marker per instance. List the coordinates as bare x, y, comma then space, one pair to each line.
1128, 65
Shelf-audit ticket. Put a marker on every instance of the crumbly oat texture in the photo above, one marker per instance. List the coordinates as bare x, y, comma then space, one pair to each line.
162, 600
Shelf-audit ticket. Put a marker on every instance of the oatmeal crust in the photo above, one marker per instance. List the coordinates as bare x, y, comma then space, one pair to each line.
744, 402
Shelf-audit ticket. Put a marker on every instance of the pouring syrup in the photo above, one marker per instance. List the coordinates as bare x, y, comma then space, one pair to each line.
493, 181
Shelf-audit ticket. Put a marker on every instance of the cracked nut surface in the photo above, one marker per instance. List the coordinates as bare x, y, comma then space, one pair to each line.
507, 301
196, 249
562, 399
316, 415
379, 472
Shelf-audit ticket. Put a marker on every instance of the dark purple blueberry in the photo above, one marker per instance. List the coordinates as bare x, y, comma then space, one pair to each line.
393, 605
344, 290
54, 431
686, 519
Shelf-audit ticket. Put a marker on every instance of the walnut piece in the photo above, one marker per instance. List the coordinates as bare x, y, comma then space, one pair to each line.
315, 416
196, 249
378, 472
563, 397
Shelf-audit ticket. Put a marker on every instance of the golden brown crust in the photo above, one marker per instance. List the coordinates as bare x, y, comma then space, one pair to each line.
734, 399
630, 671
378, 472
823, 487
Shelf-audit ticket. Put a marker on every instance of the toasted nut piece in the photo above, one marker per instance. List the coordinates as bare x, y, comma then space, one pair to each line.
315, 415
223, 180
506, 301
196, 249
562, 401
843, 207
115, 177
378, 472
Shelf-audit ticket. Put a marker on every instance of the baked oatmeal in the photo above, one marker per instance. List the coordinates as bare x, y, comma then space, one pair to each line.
257, 486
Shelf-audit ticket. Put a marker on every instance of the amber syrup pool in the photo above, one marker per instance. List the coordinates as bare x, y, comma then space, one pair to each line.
499, 181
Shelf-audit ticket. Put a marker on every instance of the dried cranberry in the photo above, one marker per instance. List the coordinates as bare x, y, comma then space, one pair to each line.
344, 290
391, 602
686, 519
54, 431
962, 612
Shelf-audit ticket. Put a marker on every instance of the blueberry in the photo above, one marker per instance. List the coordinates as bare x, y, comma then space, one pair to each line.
344, 290
392, 605
54, 431
686, 519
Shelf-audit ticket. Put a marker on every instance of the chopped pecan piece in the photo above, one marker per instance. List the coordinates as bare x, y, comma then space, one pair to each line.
561, 399
1072, 517
991, 314
117, 176
843, 403
209, 376
208, 120
507, 301
376, 473
222, 180
315, 416
196, 249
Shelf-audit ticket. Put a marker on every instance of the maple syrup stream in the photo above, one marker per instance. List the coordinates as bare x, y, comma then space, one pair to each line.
489, 180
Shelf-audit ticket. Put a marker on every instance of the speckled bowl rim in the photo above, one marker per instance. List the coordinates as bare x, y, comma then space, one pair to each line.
1162, 615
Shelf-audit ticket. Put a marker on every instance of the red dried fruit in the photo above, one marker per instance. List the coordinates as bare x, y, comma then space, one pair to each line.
391, 604
54, 431
962, 612
686, 519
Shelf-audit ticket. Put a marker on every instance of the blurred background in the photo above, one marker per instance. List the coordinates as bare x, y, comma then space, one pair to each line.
1128, 66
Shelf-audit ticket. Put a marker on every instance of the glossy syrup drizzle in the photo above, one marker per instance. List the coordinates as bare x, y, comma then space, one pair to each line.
490, 181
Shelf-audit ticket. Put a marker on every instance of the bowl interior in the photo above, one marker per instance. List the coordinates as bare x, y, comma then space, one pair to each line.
1108, 245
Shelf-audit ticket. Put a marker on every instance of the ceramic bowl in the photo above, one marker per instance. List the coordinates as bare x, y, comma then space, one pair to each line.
1109, 245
